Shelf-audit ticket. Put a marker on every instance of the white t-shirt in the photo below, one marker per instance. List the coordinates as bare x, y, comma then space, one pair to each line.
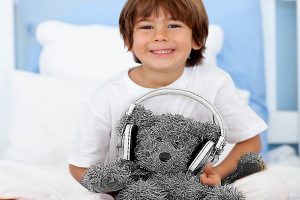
96, 140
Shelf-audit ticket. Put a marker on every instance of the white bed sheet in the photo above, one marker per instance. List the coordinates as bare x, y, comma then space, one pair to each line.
27, 182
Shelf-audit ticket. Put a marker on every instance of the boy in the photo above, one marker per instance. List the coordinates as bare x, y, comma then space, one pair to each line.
167, 38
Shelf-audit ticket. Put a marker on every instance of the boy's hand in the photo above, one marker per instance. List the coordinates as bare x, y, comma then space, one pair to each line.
210, 176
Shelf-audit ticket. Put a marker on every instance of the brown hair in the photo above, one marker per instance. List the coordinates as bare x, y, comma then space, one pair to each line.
190, 12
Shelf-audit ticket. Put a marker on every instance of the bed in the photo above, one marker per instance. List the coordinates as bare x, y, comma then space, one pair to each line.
40, 111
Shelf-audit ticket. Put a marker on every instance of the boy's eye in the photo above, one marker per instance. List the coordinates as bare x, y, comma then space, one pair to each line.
173, 26
146, 27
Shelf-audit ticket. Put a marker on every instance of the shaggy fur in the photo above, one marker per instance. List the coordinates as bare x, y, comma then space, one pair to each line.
149, 176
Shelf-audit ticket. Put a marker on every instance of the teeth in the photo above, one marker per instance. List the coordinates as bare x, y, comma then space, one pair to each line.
162, 51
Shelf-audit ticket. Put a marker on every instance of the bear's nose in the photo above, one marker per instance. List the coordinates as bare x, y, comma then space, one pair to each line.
164, 156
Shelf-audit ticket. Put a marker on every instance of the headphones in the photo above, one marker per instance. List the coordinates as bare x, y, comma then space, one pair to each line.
205, 152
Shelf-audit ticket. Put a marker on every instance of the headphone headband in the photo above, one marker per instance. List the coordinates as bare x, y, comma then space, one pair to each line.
203, 101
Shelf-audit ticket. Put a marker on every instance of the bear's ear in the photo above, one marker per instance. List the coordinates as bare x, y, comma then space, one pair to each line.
196, 130
142, 117
139, 116
211, 131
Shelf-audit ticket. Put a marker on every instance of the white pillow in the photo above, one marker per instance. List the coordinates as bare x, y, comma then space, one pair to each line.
214, 44
44, 115
91, 51
95, 51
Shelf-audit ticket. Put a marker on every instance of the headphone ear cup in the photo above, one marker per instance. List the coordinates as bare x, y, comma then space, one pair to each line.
129, 141
204, 155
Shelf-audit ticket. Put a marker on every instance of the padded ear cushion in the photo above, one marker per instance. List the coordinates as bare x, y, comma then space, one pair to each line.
204, 156
129, 141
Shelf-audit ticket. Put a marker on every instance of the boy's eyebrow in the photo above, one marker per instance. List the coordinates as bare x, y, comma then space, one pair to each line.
140, 19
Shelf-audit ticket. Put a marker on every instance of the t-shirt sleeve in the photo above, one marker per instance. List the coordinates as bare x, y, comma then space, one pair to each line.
240, 120
91, 142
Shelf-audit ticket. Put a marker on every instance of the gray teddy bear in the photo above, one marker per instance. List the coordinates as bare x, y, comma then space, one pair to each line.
163, 148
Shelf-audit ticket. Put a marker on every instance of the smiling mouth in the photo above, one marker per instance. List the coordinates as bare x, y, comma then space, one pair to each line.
162, 51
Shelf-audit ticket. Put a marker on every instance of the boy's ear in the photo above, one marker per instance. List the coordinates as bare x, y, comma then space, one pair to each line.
196, 46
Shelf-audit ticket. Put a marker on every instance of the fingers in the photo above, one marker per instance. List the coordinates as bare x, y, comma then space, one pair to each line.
205, 180
209, 176
209, 169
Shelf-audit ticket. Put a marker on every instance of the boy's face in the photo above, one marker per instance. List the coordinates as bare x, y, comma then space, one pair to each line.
162, 43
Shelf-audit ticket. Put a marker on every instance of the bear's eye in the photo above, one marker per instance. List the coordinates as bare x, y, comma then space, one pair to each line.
159, 139
147, 154
175, 144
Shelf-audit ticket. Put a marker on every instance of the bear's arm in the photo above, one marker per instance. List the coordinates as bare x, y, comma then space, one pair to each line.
249, 164
108, 177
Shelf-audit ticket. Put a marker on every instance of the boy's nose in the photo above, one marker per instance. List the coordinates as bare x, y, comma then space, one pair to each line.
160, 38
160, 35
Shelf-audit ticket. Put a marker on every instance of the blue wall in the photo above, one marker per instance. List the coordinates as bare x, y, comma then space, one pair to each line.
286, 55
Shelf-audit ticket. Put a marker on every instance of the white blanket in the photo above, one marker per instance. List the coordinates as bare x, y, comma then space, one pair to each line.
291, 177
26, 182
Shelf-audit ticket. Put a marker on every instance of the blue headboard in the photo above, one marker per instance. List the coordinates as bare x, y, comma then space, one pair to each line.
242, 54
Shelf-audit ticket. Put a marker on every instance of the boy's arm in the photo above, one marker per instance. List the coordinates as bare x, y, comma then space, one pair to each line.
214, 175
77, 172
